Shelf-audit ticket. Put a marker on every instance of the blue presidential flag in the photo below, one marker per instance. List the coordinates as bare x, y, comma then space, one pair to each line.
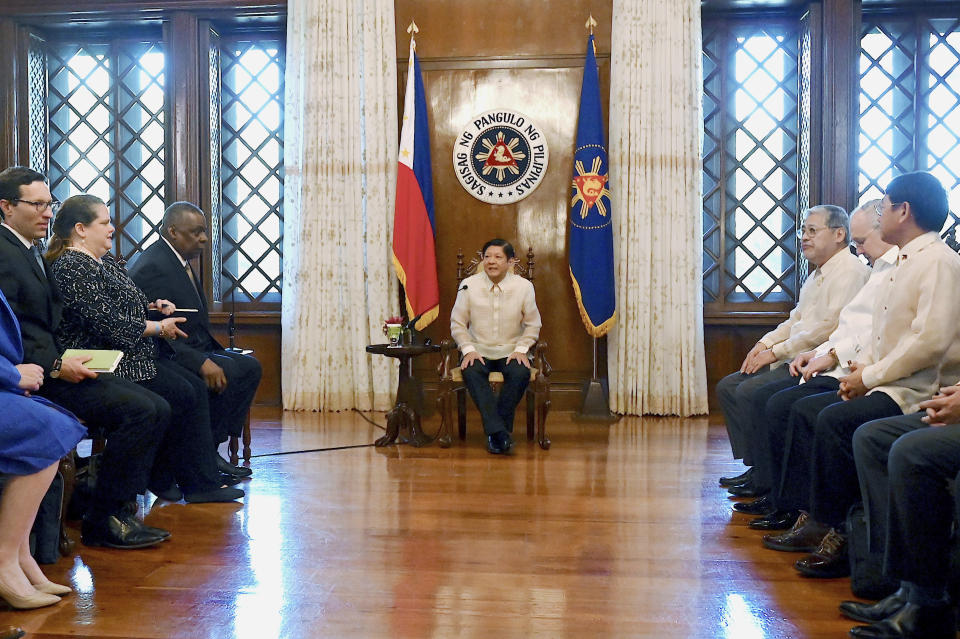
591, 233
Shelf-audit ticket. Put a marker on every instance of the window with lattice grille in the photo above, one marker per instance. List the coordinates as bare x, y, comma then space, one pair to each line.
106, 131
750, 162
909, 102
250, 91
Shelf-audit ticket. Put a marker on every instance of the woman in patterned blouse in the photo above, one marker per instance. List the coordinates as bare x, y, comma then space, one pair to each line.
104, 309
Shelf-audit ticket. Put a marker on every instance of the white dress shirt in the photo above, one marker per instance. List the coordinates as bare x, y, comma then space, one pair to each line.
495, 320
914, 326
856, 319
822, 296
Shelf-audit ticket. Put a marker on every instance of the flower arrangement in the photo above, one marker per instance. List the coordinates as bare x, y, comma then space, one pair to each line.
392, 327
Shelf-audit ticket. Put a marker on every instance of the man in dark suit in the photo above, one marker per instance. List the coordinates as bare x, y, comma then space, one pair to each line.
163, 271
124, 411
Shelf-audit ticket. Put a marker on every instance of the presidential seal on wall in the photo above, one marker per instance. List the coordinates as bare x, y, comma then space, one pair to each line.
500, 157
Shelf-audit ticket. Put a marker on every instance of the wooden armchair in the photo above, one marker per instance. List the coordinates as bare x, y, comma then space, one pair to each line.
452, 388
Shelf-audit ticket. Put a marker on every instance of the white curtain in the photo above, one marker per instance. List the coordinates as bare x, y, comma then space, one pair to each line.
656, 359
340, 152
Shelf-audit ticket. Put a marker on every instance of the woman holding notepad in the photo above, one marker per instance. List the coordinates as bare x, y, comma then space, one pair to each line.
104, 309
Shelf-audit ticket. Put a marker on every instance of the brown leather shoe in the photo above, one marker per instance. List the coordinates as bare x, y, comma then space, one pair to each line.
829, 560
805, 536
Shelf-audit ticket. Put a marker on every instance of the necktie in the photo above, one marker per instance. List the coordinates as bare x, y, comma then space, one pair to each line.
193, 280
36, 255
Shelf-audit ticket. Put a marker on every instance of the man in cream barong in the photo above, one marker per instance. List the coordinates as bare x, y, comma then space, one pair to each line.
839, 275
495, 321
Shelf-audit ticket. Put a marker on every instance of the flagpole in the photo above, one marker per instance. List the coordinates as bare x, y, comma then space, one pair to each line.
595, 405
413, 30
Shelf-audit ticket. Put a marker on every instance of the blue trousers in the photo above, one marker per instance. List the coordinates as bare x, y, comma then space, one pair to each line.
497, 412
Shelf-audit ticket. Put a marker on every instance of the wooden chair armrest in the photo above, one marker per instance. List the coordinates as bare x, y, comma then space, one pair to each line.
539, 358
448, 358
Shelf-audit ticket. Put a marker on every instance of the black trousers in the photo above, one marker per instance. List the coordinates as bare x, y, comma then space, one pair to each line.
229, 409
186, 454
497, 413
833, 474
772, 429
905, 469
793, 492
133, 420
736, 393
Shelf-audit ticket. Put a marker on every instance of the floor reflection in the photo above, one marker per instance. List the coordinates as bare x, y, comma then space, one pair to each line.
737, 621
617, 530
258, 609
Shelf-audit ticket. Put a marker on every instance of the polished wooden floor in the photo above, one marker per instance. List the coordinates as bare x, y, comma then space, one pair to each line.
616, 531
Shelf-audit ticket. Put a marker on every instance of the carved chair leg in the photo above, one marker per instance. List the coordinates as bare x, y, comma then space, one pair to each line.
246, 439
531, 412
233, 446
67, 470
462, 412
542, 424
445, 408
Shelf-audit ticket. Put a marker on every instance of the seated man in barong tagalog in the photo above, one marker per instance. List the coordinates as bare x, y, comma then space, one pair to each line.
495, 321
824, 240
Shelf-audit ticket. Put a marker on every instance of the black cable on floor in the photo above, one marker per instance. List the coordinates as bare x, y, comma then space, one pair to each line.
312, 450
323, 450
368, 419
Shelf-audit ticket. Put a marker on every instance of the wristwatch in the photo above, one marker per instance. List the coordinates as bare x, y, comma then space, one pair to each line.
55, 369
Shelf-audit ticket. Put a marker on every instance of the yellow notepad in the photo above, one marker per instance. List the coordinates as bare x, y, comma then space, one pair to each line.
101, 362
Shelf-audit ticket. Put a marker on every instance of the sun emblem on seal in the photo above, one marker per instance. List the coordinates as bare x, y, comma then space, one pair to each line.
500, 156
590, 188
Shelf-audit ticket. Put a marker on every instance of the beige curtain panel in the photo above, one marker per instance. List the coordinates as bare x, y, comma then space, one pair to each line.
656, 359
340, 152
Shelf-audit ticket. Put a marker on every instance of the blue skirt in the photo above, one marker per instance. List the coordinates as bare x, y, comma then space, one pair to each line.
34, 433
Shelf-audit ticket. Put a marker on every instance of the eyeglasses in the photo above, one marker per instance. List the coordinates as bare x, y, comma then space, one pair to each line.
53, 205
880, 206
803, 231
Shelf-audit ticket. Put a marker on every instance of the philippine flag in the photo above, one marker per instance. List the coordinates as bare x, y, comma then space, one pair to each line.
414, 251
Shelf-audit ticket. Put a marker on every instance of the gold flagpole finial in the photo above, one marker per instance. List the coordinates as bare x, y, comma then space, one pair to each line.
413, 30
591, 23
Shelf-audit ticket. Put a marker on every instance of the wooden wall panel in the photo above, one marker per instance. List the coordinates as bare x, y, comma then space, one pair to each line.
487, 29
725, 347
260, 332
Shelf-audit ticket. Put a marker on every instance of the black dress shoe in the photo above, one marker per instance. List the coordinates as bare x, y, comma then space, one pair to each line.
746, 490
114, 532
169, 493
872, 613
913, 622
829, 560
226, 467
229, 480
499, 443
214, 495
738, 480
777, 520
805, 536
128, 513
761, 506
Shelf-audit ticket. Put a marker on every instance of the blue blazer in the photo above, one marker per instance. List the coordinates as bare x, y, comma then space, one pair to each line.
11, 350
